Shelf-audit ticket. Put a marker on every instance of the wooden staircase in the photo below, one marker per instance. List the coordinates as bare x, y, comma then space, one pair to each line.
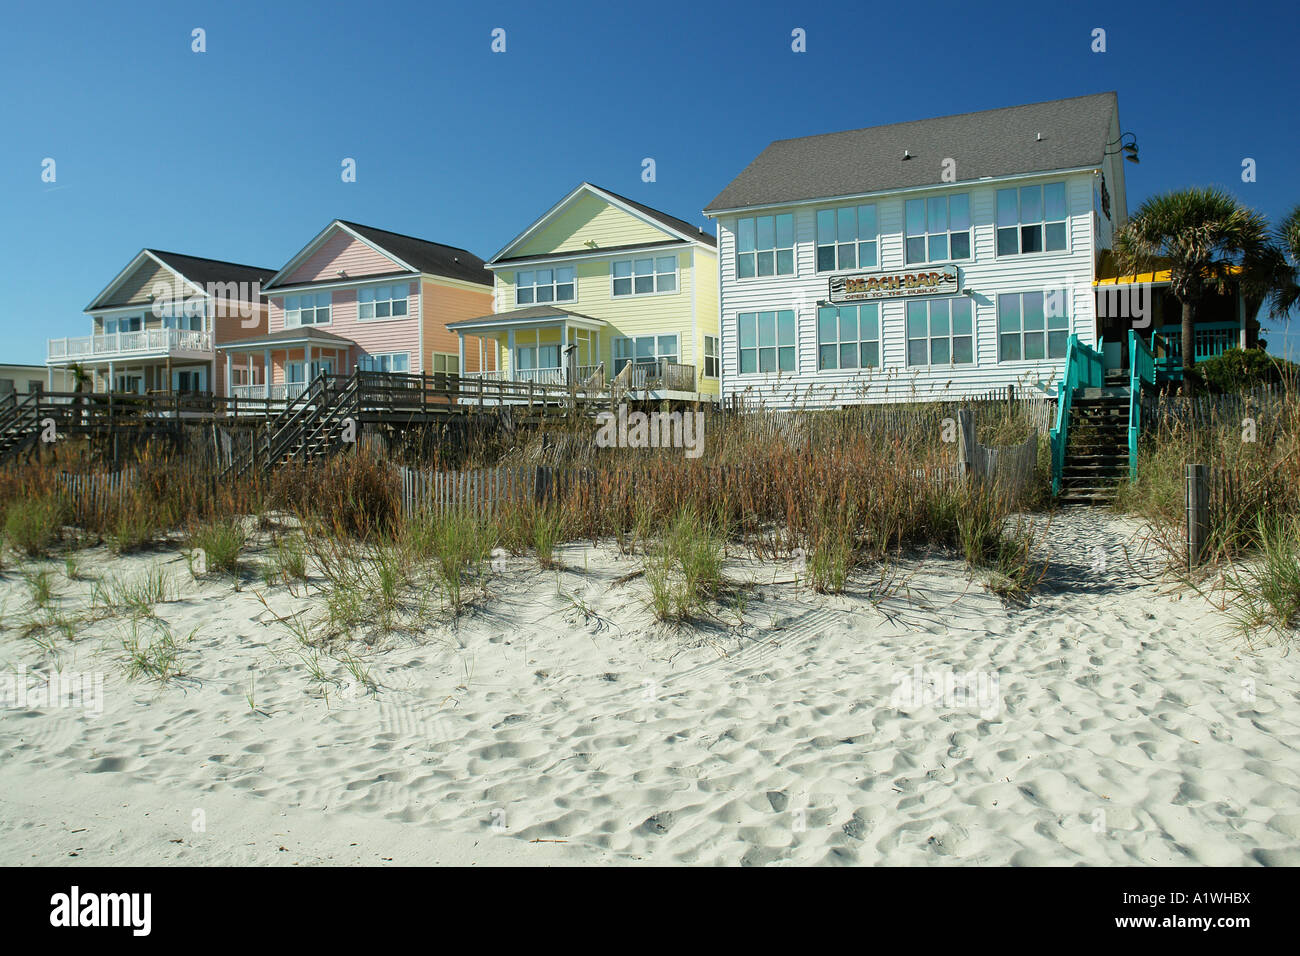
312, 427
1097, 451
19, 425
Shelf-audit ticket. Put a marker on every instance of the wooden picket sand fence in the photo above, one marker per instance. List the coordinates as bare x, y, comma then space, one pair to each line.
1205, 410
90, 492
479, 491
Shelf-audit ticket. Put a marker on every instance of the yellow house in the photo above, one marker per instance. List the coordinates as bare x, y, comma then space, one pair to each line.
608, 290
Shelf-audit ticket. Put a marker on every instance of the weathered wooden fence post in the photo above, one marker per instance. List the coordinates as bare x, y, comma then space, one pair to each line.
1198, 513
965, 441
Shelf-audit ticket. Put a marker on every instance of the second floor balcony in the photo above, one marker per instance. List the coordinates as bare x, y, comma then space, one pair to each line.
145, 343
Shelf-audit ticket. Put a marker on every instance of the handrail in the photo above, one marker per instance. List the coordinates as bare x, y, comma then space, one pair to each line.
1084, 368
1142, 369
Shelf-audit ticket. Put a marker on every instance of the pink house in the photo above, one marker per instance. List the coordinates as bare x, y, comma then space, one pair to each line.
357, 296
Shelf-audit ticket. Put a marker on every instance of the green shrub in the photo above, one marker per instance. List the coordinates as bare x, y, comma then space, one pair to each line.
1241, 370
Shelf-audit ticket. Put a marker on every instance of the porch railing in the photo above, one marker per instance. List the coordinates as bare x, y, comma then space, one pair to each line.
1208, 341
280, 391
143, 342
537, 376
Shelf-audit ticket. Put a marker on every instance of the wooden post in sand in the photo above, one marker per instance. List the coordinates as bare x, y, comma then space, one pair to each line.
965, 441
1198, 513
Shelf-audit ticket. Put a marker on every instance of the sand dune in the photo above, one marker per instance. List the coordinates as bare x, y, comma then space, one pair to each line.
1105, 722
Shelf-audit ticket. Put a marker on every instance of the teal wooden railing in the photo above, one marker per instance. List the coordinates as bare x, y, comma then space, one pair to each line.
1142, 372
1209, 340
1085, 367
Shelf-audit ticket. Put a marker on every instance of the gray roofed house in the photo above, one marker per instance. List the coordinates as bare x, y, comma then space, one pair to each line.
1038, 137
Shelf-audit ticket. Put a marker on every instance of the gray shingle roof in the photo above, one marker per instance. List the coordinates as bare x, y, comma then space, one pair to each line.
999, 142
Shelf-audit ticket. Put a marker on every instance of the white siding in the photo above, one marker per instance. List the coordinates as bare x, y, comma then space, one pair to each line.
985, 273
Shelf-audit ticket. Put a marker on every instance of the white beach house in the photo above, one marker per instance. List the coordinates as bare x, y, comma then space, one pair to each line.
924, 260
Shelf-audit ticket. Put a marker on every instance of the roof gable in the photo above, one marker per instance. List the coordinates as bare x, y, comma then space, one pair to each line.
350, 250
1038, 137
182, 275
590, 218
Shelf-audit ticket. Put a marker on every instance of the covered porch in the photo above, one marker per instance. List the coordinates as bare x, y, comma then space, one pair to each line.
540, 345
1145, 303
279, 366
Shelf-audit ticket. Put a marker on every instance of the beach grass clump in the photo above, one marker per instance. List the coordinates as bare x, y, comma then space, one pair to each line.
151, 651
40, 586
684, 567
33, 526
350, 494
459, 546
1263, 592
288, 562
222, 541
136, 595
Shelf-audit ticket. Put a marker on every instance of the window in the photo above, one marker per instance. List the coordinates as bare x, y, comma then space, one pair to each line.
538, 286
386, 362
846, 238
307, 309
1029, 322
1031, 219
765, 246
848, 336
538, 356
645, 276
766, 341
445, 362
644, 350
383, 301
34, 385
940, 332
125, 323
711, 356
6, 386
938, 228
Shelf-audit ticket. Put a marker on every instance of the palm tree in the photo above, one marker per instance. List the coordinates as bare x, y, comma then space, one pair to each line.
1202, 236
1286, 289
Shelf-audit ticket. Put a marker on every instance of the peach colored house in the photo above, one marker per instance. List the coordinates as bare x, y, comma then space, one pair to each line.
165, 323
356, 296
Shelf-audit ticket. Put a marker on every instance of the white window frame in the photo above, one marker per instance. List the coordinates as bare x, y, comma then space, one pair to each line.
758, 348
554, 284
628, 345
390, 300
117, 321
713, 356
947, 232
654, 275
858, 341
930, 338
1049, 296
857, 243
373, 362
775, 249
1020, 224
315, 309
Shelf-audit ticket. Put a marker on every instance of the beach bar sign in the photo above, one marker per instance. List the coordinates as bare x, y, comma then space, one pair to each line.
941, 280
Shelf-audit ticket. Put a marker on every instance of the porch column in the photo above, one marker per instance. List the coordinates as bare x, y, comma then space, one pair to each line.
460, 340
230, 375
306, 362
49, 378
510, 352
110, 378
266, 359
1241, 316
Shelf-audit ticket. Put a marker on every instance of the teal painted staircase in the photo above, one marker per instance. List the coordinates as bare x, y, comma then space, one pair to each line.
1098, 420
1096, 454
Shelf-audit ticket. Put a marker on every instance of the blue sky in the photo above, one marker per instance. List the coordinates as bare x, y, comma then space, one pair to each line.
235, 153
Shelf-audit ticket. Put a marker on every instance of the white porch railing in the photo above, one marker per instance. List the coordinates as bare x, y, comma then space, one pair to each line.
144, 342
280, 391
539, 376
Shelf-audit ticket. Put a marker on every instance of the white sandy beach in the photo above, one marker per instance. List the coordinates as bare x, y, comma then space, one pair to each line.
1122, 724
